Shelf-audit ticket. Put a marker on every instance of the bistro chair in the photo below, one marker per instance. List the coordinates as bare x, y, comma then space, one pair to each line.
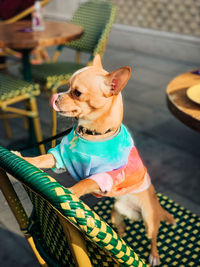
97, 18
64, 231
12, 91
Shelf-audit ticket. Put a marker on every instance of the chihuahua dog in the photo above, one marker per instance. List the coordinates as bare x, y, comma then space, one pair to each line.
100, 153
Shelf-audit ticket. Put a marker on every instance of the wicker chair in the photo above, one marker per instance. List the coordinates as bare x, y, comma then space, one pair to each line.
96, 17
13, 90
62, 230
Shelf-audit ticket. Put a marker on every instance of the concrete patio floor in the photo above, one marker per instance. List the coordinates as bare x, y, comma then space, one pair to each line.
170, 150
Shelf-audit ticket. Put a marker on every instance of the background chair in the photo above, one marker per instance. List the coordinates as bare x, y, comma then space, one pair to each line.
12, 91
97, 18
62, 230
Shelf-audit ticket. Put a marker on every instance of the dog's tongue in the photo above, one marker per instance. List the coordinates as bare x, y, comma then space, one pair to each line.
53, 102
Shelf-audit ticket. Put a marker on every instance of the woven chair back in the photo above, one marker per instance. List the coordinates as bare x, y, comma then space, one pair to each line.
51, 200
94, 16
51, 240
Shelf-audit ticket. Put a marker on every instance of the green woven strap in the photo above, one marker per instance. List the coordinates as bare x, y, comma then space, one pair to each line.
77, 212
52, 240
11, 87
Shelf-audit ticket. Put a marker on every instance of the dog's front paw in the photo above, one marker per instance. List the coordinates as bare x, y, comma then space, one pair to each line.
17, 153
121, 229
74, 191
154, 260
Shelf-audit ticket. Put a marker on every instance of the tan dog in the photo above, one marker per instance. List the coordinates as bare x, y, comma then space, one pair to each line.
95, 99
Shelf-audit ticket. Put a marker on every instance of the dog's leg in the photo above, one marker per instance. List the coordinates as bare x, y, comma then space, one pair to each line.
46, 161
152, 223
166, 216
118, 220
152, 227
153, 214
124, 207
85, 187
150, 209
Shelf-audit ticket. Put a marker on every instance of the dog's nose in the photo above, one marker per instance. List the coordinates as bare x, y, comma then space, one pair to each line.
54, 102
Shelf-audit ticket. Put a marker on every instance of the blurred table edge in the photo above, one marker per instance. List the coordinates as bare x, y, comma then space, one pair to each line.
14, 36
179, 104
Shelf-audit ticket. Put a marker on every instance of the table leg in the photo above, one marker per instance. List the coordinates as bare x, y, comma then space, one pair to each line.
28, 77
26, 65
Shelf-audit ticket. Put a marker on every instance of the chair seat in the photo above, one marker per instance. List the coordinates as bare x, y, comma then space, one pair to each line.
52, 73
177, 245
11, 87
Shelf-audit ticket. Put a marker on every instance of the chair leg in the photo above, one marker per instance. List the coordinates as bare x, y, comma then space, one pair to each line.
26, 122
78, 57
54, 127
36, 122
47, 92
54, 90
45, 55
13, 200
18, 211
7, 126
54, 120
77, 243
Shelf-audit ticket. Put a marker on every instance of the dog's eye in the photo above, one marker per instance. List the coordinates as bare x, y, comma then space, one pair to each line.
77, 93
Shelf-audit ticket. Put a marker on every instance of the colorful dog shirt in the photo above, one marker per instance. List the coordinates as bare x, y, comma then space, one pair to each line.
131, 178
115, 157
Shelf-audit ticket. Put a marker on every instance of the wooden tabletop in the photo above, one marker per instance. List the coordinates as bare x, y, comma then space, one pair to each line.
179, 104
14, 36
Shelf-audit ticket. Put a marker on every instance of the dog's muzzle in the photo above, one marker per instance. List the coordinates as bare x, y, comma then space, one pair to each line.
54, 102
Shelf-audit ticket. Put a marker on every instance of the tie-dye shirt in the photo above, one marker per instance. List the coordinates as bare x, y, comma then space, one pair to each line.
131, 178
83, 158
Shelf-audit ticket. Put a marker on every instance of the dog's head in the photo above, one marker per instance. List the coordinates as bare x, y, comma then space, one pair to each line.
92, 89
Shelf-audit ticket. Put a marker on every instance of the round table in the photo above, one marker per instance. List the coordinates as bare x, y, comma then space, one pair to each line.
19, 36
179, 104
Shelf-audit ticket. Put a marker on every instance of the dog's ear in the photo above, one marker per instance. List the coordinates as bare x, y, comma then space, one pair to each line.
97, 61
116, 80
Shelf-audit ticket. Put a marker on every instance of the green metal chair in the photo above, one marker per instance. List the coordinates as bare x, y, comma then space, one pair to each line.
12, 91
97, 18
62, 230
